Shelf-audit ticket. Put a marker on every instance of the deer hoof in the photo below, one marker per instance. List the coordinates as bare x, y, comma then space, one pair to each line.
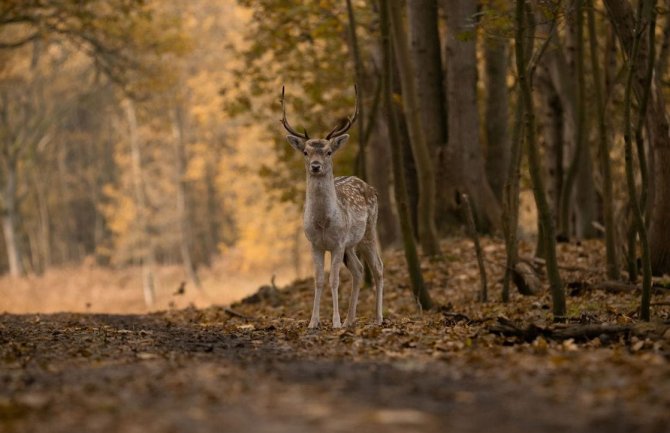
379, 320
313, 324
349, 323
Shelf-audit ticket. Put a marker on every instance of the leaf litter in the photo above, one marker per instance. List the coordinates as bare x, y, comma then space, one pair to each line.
254, 366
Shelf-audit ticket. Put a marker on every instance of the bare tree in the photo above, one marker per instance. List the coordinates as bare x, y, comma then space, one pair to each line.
181, 159
544, 212
465, 155
411, 257
144, 241
422, 158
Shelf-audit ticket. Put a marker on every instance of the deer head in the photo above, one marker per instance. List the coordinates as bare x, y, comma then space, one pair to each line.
317, 151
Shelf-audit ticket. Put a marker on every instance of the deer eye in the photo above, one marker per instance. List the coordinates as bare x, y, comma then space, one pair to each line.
329, 153
304, 153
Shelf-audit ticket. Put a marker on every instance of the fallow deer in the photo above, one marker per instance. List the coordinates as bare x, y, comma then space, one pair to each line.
340, 216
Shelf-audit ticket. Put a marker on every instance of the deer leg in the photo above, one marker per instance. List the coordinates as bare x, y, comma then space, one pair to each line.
356, 268
336, 257
371, 254
317, 256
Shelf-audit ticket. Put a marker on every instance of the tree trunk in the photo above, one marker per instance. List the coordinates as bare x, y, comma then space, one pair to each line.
497, 113
603, 152
361, 164
585, 194
411, 256
464, 150
381, 178
429, 81
148, 257
544, 213
181, 161
424, 164
510, 221
9, 220
553, 118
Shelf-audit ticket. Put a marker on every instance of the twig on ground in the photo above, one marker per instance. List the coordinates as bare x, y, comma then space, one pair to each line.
236, 314
472, 231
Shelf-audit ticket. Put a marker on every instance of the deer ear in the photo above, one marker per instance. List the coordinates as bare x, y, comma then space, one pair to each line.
338, 142
296, 142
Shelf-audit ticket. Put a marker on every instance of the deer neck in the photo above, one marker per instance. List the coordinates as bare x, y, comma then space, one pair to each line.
321, 200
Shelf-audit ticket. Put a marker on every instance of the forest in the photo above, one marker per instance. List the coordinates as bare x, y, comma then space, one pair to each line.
155, 272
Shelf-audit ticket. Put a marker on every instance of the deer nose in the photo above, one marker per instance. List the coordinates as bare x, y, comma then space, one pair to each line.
315, 167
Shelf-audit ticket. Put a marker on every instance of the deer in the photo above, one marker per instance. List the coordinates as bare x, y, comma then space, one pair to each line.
340, 216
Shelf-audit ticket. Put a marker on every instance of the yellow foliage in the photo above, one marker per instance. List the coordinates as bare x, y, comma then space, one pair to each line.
270, 232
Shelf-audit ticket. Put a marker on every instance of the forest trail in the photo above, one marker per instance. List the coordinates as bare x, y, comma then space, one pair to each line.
202, 370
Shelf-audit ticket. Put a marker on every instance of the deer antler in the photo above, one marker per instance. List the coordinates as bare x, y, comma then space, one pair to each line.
344, 126
284, 121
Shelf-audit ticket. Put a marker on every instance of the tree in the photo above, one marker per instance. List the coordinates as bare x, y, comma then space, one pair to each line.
429, 81
603, 151
422, 158
544, 212
465, 155
496, 125
414, 266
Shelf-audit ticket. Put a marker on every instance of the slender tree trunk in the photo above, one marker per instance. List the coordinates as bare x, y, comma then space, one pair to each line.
424, 165
544, 213
381, 178
603, 152
9, 222
214, 211
553, 115
148, 257
585, 196
44, 223
411, 256
361, 164
464, 148
511, 200
497, 113
630, 175
181, 160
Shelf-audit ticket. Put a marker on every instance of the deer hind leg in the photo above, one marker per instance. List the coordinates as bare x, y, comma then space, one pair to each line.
374, 261
317, 256
356, 268
336, 257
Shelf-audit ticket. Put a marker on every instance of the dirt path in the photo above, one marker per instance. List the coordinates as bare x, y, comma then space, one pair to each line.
183, 372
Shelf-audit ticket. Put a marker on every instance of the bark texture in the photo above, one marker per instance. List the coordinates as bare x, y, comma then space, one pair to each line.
414, 267
429, 81
497, 114
422, 158
464, 153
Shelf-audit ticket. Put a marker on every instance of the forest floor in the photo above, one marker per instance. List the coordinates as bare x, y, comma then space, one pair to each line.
254, 367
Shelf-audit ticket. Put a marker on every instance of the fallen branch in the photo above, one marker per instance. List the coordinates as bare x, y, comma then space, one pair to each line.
541, 262
615, 287
472, 231
234, 313
507, 328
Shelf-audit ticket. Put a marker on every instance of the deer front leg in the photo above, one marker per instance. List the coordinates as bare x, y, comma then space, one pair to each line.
336, 257
317, 256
